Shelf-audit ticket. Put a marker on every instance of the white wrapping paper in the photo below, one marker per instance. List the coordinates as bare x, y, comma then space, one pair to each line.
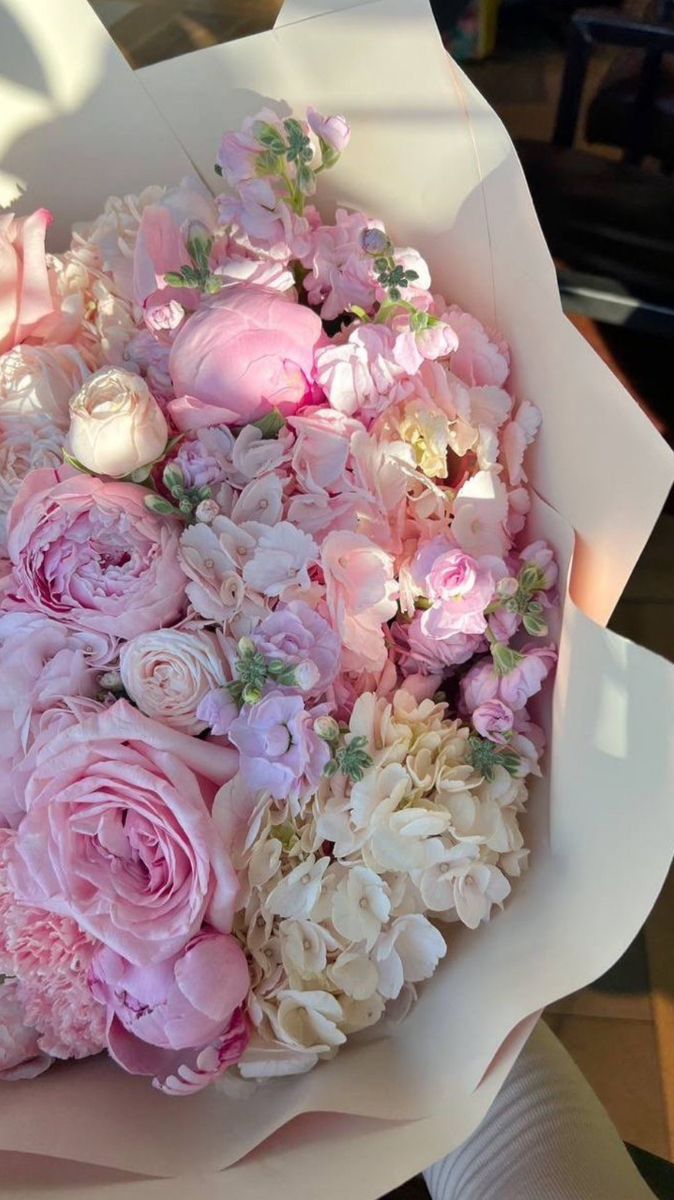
429, 156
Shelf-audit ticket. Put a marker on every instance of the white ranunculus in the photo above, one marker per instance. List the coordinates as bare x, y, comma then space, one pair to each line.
116, 425
168, 673
25, 445
37, 383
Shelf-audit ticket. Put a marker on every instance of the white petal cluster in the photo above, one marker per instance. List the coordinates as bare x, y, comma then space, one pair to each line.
342, 901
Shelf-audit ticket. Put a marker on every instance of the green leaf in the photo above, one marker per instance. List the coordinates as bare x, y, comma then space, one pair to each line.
329, 155
531, 579
173, 479
306, 180
140, 474
505, 659
271, 424
268, 163
534, 625
174, 279
359, 312
158, 504
75, 463
267, 135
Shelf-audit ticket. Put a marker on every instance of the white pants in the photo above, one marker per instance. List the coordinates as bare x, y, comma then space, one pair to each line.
546, 1137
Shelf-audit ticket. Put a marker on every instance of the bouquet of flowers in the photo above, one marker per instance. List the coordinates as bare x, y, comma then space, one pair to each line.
271, 623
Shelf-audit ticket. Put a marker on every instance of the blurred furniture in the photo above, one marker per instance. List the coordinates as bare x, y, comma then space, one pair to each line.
610, 225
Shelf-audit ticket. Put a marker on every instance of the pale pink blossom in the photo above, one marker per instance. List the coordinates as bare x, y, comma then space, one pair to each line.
493, 720
204, 457
459, 586
358, 373
527, 677
334, 131
539, 554
279, 750
161, 241
360, 593
480, 513
281, 559
516, 436
481, 360
432, 655
321, 451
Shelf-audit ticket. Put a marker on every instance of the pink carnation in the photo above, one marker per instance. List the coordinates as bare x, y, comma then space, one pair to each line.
89, 553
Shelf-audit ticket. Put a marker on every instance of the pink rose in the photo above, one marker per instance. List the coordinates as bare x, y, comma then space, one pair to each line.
246, 352
29, 303
360, 592
118, 833
493, 720
116, 425
88, 552
178, 1017
20, 1055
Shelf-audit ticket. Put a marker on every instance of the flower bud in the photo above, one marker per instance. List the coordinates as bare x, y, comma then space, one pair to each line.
207, 511
327, 729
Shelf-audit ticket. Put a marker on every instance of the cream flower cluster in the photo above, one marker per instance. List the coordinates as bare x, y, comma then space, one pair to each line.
341, 904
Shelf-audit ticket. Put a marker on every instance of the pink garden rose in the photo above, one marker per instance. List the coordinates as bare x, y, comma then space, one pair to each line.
118, 833
169, 1020
29, 302
87, 552
246, 352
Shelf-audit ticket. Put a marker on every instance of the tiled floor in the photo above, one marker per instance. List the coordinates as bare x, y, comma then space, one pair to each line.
620, 1031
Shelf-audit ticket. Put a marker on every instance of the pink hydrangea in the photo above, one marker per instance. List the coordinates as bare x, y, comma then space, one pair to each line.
480, 360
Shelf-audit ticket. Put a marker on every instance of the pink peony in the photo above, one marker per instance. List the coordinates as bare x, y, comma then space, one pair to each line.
118, 836
279, 751
246, 352
88, 552
29, 301
493, 720
162, 1018
20, 1055
360, 592
480, 361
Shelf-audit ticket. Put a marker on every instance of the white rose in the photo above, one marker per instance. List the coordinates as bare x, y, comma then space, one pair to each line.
116, 425
37, 382
169, 672
24, 446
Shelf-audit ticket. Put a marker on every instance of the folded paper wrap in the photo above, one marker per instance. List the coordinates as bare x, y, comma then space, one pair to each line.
431, 158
